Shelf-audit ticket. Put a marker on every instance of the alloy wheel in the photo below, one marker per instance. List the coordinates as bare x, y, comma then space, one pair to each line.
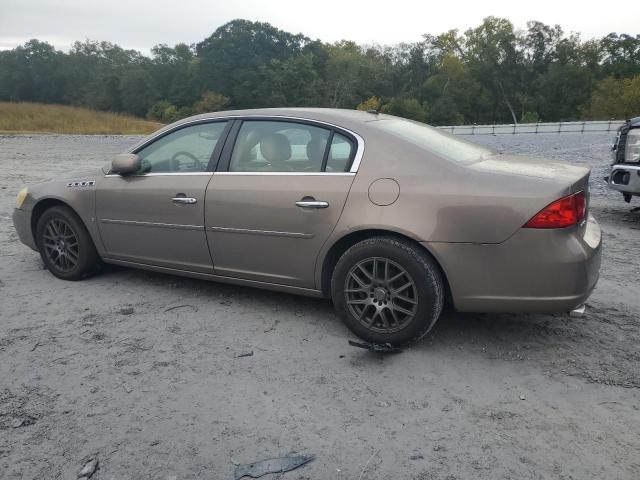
381, 294
61, 245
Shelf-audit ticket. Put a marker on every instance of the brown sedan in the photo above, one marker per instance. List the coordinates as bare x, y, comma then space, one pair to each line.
387, 217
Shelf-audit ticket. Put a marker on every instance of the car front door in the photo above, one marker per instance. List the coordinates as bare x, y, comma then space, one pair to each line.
277, 195
156, 215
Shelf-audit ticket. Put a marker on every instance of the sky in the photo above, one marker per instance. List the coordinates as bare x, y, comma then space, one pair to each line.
141, 24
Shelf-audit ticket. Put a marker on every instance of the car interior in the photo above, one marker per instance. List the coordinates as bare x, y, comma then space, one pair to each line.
286, 147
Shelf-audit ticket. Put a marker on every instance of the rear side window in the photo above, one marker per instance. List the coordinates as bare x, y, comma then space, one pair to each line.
264, 146
186, 150
278, 146
442, 144
339, 154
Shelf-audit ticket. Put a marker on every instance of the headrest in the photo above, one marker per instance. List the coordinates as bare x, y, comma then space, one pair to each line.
315, 150
275, 147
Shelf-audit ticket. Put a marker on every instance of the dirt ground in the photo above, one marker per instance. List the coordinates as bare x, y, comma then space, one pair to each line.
142, 369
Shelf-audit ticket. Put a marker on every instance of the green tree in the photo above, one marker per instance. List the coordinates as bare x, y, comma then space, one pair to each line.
371, 103
490, 53
617, 98
211, 102
406, 107
490, 73
233, 59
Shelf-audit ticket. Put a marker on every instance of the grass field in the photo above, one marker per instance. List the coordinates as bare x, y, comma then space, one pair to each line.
41, 118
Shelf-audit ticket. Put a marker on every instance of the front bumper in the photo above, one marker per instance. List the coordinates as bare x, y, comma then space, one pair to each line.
22, 224
547, 271
625, 178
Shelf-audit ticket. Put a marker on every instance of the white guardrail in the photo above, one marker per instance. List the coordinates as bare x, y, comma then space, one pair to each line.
557, 127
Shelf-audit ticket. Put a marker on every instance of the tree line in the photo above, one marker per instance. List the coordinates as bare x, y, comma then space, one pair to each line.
489, 74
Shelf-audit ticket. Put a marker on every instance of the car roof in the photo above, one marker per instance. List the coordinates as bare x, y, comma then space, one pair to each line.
355, 120
351, 120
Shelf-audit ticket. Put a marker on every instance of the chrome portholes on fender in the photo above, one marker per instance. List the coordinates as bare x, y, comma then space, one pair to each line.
81, 183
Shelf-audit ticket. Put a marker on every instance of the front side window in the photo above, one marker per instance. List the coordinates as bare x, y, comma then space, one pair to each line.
186, 150
274, 146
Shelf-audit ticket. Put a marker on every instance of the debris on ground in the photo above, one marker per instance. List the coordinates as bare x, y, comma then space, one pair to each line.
23, 422
245, 354
272, 465
89, 469
364, 469
195, 309
376, 347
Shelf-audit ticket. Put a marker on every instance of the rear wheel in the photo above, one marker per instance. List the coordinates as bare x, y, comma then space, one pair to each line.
387, 290
65, 245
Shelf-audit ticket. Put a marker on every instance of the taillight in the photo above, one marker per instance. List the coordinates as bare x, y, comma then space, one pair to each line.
562, 213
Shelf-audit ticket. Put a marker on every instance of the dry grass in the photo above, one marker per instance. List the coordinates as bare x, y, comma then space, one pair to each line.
40, 118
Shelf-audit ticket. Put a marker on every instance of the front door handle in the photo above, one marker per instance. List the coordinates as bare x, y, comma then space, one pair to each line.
184, 200
312, 204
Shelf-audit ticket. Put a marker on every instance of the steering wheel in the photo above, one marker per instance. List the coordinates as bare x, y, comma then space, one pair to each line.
175, 163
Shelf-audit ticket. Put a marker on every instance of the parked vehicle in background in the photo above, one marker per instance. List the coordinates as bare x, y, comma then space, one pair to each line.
625, 169
385, 216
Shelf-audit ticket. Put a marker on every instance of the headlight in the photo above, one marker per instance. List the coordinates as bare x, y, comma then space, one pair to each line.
632, 150
21, 196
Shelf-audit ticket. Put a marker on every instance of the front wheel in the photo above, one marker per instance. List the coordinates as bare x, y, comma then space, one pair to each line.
387, 290
65, 245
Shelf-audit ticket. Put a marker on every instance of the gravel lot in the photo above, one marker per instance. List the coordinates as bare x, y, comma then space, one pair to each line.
141, 369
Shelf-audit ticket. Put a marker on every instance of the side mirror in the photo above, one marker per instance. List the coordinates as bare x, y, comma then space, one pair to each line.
125, 163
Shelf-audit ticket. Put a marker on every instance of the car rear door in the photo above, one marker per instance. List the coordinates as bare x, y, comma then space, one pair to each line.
156, 216
277, 195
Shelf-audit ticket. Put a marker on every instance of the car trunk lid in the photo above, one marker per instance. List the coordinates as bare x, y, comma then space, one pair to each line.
513, 189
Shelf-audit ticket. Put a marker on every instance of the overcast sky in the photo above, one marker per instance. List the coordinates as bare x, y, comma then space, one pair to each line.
140, 24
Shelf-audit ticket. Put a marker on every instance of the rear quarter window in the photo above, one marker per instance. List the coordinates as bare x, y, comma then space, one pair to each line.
436, 141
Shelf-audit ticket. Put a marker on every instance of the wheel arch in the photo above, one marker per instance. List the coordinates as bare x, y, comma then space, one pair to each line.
42, 206
347, 241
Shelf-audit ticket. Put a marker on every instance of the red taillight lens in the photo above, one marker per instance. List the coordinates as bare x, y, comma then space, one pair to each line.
562, 213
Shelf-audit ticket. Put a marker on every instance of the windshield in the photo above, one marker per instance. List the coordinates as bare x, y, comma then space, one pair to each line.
436, 141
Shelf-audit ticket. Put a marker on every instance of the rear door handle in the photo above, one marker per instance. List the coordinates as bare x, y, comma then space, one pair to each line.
312, 204
184, 200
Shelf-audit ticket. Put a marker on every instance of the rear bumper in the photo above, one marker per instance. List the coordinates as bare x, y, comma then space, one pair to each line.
534, 271
22, 224
625, 178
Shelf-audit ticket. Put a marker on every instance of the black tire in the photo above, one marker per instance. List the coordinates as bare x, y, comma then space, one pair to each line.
357, 304
65, 245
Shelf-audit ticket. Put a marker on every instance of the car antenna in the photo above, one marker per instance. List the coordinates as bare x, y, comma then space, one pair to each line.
376, 111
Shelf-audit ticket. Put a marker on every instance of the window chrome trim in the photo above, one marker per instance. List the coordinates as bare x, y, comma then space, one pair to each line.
151, 224
316, 174
157, 174
357, 159
271, 233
